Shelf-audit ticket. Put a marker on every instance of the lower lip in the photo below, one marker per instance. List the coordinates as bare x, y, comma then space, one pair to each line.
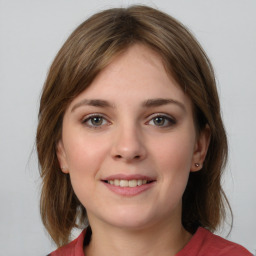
128, 191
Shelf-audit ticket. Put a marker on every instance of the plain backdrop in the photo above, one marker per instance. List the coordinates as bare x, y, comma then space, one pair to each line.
31, 33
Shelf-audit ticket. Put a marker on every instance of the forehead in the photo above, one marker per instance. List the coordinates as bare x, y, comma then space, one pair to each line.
135, 74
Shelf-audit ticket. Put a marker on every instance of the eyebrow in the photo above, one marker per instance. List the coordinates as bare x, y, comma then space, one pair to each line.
160, 102
146, 104
93, 102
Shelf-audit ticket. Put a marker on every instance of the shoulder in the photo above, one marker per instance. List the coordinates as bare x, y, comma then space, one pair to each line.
223, 246
74, 248
204, 243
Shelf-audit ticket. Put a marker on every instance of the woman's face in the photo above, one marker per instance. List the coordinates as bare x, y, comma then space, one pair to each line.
129, 143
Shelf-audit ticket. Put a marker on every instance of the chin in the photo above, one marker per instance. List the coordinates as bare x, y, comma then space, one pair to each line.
131, 219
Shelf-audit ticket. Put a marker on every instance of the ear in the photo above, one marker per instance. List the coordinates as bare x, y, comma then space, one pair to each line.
61, 155
201, 148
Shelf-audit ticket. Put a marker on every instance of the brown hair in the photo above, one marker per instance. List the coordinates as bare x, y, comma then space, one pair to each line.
85, 53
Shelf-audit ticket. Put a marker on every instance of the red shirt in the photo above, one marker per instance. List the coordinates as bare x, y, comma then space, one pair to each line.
202, 243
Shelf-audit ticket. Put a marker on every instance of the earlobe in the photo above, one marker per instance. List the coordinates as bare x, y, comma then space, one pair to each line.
201, 148
61, 155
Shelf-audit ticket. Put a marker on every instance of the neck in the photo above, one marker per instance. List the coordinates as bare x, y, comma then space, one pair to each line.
164, 240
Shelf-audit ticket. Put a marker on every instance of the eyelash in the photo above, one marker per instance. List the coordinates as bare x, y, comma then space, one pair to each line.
170, 121
90, 118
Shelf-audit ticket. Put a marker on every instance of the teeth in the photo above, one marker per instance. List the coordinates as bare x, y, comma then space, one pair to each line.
127, 183
116, 182
133, 183
124, 183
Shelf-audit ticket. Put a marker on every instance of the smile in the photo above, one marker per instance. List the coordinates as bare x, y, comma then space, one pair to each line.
127, 183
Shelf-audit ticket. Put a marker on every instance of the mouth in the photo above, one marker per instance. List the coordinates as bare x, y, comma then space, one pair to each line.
128, 183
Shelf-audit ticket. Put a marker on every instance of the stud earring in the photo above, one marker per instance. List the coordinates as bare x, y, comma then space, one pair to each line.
64, 169
197, 164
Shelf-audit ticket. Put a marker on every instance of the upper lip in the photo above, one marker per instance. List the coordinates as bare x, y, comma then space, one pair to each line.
129, 177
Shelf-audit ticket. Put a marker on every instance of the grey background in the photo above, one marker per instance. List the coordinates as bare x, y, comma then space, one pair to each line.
31, 33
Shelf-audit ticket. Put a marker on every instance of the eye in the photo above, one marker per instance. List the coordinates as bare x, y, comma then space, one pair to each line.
162, 121
95, 121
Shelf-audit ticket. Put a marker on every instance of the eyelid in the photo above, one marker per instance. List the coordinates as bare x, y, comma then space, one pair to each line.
162, 115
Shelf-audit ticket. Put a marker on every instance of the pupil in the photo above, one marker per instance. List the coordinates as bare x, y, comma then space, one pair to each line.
97, 121
159, 121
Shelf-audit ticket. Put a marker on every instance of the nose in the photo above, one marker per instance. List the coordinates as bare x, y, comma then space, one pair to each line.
128, 145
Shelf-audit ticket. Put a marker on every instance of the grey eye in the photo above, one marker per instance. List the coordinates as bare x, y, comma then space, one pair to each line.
162, 121
96, 120
159, 120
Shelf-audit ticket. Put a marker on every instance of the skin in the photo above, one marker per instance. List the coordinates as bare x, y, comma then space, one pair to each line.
126, 137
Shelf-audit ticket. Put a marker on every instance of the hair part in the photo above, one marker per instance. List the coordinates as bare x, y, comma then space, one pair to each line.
88, 50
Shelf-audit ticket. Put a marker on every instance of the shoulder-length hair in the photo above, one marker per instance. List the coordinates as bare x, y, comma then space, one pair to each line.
89, 49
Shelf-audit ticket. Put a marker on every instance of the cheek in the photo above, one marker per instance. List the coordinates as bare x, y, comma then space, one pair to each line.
173, 160
85, 157
84, 154
174, 153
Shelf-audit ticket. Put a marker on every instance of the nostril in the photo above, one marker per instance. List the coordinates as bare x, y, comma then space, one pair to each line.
120, 156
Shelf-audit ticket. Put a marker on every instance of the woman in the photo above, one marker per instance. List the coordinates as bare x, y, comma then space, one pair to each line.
130, 140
